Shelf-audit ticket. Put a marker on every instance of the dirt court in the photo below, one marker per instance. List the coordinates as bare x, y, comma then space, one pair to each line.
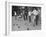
21, 25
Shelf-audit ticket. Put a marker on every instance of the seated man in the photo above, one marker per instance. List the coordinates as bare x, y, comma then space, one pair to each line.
15, 15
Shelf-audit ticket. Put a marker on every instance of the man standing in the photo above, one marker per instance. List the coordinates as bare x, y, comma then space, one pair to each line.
25, 15
35, 13
29, 14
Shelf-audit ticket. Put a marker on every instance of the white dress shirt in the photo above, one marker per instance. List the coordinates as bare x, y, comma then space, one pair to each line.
35, 12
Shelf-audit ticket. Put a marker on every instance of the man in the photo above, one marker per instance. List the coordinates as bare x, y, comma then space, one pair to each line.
25, 15
29, 14
35, 13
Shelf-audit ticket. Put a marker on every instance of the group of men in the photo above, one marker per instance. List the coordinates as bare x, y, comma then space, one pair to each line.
32, 15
